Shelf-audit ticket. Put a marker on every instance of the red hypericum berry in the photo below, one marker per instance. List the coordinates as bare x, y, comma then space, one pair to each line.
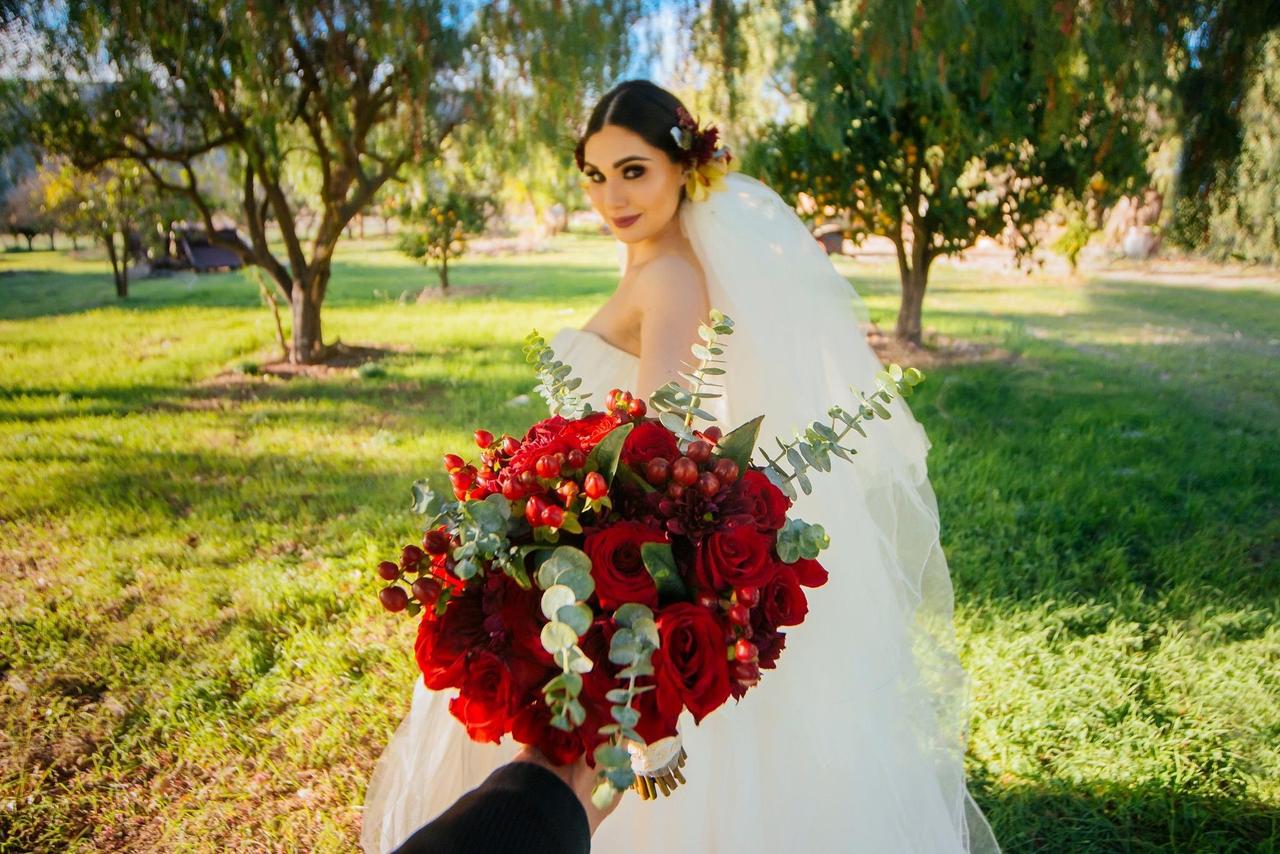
547, 466
462, 478
533, 510
426, 590
708, 484
483, 438
745, 651
749, 596
553, 516
739, 614
510, 445
388, 570
410, 556
393, 598
747, 673
611, 398
437, 542
666, 506
699, 451
657, 471
527, 478
453, 462
476, 493
568, 490
576, 459
511, 490
713, 434
726, 469
684, 471
460, 493
709, 601
595, 485
637, 408
675, 491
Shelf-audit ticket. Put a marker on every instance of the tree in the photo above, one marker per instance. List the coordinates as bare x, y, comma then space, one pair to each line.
356, 89
438, 227
936, 123
109, 203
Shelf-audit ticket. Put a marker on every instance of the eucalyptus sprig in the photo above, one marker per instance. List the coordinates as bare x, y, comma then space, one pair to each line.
820, 441
566, 582
678, 406
555, 386
632, 647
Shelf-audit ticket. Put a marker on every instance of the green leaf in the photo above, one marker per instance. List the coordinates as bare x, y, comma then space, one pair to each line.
631, 613
603, 794
557, 636
623, 648
620, 696
556, 597
570, 566
612, 756
426, 500
661, 564
625, 715
604, 456
576, 616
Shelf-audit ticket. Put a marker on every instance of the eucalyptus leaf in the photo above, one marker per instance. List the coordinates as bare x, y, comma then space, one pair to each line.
629, 614
557, 636
625, 715
576, 616
556, 597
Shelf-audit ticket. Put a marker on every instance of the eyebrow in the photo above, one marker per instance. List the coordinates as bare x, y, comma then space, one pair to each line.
618, 163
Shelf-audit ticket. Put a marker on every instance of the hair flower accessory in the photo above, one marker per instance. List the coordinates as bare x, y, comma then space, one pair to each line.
707, 164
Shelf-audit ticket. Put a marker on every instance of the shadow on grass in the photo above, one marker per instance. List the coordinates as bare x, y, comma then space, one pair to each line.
1109, 817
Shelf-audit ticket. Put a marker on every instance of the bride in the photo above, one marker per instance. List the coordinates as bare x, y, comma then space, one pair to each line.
856, 741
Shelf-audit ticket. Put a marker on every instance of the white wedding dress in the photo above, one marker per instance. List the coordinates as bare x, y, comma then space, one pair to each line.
856, 741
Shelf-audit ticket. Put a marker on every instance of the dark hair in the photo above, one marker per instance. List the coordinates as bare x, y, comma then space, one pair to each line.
641, 107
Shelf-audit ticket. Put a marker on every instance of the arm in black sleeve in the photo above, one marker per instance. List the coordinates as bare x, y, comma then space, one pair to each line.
521, 807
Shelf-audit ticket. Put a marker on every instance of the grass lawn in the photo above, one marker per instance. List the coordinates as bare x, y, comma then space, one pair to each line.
192, 656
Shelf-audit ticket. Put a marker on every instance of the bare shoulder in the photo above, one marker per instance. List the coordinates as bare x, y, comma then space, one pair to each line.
672, 281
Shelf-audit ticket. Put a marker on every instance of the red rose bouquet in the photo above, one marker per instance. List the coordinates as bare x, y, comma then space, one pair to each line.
608, 570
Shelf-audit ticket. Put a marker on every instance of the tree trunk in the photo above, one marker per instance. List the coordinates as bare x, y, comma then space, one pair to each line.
51, 246
909, 329
119, 265
307, 344
30, 237
75, 242
444, 274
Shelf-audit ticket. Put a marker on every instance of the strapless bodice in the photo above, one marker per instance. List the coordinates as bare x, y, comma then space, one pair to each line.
600, 365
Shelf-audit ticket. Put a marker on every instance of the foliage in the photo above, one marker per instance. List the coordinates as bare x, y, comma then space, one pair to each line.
1075, 234
554, 382
677, 406
1244, 216
939, 123
438, 228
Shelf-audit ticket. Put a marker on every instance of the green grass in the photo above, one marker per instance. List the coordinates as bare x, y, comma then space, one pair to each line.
192, 656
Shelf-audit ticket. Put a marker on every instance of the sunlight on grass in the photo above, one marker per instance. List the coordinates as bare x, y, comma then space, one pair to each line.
192, 654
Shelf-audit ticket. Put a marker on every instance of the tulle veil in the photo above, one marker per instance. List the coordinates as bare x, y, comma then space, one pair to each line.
856, 741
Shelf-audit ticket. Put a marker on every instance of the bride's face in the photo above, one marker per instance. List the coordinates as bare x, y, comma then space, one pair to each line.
632, 185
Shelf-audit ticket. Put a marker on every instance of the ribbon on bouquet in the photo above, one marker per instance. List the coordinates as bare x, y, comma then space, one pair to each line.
657, 766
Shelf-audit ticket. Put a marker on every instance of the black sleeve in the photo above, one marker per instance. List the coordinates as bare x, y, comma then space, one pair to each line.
521, 807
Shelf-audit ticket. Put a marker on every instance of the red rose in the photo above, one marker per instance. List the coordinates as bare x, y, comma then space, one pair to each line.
532, 725
732, 558
590, 430
617, 567
809, 572
444, 640
545, 430
783, 601
759, 497
485, 699
649, 439
690, 665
